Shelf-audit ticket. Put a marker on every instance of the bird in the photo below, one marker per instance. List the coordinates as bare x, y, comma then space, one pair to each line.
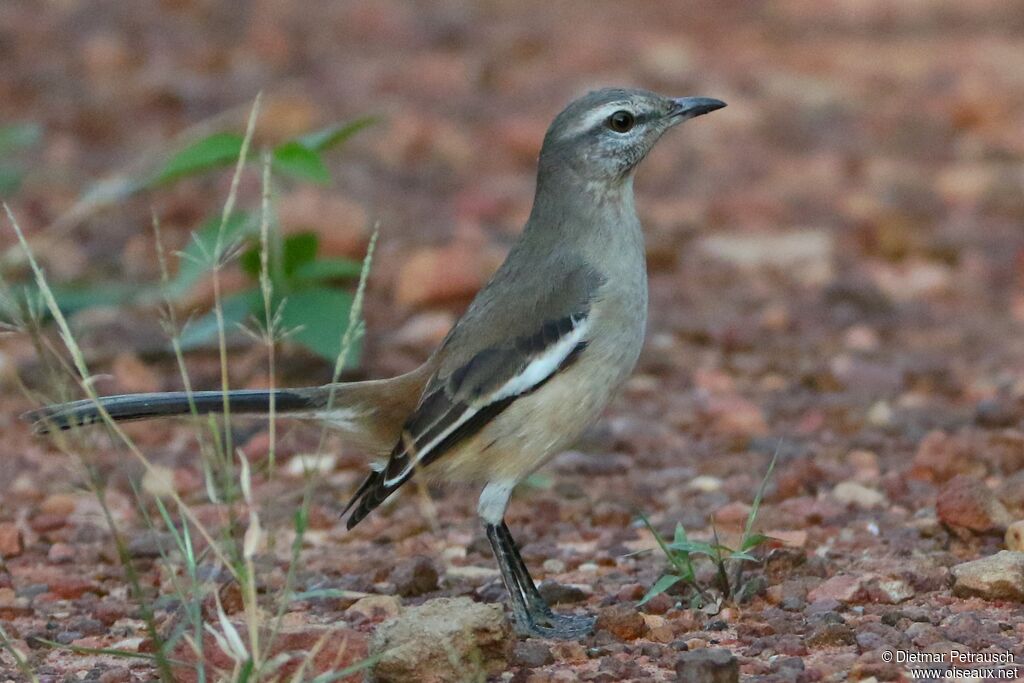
530, 364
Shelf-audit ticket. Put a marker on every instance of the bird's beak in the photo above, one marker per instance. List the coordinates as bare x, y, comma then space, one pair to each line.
684, 108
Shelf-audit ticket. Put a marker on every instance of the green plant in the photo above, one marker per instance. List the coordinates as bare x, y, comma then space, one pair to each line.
683, 552
14, 138
304, 285
230, 547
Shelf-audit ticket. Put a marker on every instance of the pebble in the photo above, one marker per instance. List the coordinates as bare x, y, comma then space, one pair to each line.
443, 639
1015, 536
556, 593
553, 566
856, 494
11, 541
60, 553
831, 634
532, 653
622, 621
715, 665
997, 577
415, 577
842, 587
377, 607
966, 502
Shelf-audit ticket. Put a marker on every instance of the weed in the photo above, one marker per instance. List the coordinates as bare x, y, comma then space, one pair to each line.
684, 552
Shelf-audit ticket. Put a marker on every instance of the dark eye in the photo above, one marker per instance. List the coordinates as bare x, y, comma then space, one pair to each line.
621, 121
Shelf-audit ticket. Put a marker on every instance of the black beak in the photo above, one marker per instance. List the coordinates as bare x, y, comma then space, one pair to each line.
690, 107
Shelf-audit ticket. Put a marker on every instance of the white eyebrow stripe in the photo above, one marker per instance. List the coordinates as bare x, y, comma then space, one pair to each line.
593, 118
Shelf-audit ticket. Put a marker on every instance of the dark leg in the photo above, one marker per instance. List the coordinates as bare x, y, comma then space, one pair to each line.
532, 614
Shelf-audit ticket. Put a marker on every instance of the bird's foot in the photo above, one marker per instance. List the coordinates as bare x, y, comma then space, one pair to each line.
556, 626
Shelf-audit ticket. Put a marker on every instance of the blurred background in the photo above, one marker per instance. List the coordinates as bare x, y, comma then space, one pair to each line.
865, 139
837, 258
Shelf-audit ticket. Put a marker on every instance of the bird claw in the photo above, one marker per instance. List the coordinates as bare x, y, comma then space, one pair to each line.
557, 626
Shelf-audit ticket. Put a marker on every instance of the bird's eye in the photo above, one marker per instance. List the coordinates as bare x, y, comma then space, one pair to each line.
621, 121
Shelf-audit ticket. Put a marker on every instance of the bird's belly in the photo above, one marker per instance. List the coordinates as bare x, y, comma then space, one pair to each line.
541, 424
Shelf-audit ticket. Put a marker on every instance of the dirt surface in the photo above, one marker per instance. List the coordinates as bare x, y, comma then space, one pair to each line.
837, 275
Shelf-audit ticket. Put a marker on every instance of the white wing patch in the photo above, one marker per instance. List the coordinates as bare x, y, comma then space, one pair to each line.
541, 367
535, 372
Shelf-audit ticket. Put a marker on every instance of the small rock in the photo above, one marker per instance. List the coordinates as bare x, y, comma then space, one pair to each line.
622, 621
553, 566
941, 456
60, 553
891, 591
556, 593
858, 495
377, 607
415, 577
71, 587
442, 640
968, 503
1015, 536
831, 634
11, 542
704, 665
998, 577
842, 587
732, 516
148, 544
532, 653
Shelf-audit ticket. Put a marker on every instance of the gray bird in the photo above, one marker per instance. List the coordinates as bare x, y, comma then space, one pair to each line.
529, 366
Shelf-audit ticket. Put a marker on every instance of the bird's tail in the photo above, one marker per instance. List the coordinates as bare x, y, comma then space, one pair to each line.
369, 415
142, 406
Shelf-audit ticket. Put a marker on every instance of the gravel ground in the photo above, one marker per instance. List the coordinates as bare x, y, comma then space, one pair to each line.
837, 274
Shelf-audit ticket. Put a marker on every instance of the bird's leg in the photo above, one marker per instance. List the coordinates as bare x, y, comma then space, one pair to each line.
532, 615
539, 619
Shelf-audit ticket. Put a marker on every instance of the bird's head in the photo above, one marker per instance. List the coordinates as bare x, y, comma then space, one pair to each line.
604, 135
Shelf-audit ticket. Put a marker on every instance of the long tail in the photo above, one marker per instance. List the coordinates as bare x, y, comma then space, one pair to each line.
369, 415
141, 406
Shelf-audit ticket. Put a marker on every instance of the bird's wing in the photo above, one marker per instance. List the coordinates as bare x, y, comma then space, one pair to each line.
477, 382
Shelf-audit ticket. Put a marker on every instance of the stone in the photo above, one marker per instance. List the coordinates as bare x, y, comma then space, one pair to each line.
415, 577
841, 587
997, 577
556, 593
831, 634
532, 653
444, 639
622, 621
1015, 536
966, 502
715, 665
11, 542
377, 607
858, 495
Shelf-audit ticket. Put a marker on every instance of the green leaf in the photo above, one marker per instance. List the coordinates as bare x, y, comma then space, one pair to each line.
753, 541
323, 140
298, 161
251, 261
10, 179
219, 149
740, 555
71, 298
236, 309
695, 548
19, 136
322, 314
327, 269
299, 249
197, 258
660, 586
